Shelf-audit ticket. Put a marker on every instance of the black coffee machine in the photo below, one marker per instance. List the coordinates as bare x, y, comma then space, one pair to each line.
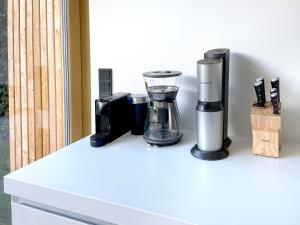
112, 112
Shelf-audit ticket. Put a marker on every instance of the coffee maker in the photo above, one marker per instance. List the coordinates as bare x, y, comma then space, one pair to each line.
212, 107
162, 125
112, 112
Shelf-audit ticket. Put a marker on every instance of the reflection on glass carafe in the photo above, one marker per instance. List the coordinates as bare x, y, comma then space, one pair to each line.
163, 121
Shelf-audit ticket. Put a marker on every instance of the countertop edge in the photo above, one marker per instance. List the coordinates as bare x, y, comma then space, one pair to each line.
86, 206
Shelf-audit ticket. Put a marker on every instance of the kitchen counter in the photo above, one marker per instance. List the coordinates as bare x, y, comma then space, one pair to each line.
129, 183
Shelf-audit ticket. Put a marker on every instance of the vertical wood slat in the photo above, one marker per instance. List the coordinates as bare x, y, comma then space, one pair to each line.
44, 76
75, 67
85, 68
30, 81
17, 84
51, 74
11, 91
59, 74
35, 79
23, 67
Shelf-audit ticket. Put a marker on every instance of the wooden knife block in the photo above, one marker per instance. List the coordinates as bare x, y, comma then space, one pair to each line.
266, 131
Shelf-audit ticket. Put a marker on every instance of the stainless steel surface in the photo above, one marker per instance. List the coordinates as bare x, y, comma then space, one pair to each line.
139, 98
209, 72
209, 130
159, 105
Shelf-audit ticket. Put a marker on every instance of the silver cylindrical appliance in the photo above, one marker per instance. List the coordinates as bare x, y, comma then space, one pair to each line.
224, 54
209, 111
209, 84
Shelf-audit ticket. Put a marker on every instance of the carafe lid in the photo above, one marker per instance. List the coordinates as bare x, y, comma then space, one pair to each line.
162, 73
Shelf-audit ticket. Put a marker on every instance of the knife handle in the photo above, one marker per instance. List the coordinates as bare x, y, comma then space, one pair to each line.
275, 103
263, 88
259, 93
275, 84
273, 90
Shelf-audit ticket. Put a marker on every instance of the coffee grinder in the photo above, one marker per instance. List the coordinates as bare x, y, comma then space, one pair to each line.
212, 107
163, 121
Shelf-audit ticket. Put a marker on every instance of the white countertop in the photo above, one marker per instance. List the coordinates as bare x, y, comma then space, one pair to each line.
126, 182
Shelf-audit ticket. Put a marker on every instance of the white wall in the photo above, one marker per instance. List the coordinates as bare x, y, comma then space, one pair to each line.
135, 36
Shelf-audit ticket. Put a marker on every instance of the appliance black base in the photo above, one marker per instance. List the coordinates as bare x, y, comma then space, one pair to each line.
227, 142
211, 156
98, 140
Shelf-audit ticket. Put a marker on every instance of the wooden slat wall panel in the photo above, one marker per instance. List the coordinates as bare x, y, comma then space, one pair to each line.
85, 67
17, 84
35, 79
51, 74
23, 67
11, 90
75, 68
30, 81
44, 76
59, 74
38, 125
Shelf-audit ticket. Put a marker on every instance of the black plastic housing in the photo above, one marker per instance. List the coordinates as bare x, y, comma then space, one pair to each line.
138, 114
105, 82
112, 118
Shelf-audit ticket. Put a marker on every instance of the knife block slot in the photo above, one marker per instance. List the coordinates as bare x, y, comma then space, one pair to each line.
266, 131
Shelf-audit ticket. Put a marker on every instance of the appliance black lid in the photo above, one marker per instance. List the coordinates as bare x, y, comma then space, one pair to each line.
218, 50
217, 53
162, 73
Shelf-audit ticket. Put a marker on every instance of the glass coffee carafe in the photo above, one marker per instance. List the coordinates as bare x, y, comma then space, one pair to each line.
163, 121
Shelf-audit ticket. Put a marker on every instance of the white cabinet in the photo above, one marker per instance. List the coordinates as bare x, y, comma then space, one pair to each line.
26, 215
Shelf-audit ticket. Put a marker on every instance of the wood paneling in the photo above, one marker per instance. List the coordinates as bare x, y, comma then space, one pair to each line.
11, 81
79, 69
75, 84
51, 75
85, 67
35, 79
35, 67
44, 76
59, 75
30, 81
17, 84
38, 125
23, 85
